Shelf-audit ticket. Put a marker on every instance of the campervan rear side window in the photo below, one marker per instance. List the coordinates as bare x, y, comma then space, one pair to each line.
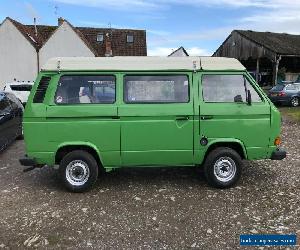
156, 89
76, 89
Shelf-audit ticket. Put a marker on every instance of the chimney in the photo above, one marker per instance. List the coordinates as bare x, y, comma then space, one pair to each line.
35, 29
60, 20
108, 49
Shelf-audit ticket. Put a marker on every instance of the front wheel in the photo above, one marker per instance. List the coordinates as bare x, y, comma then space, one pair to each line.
223, 167
78, 171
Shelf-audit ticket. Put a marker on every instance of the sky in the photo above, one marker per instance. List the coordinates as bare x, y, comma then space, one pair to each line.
200, 26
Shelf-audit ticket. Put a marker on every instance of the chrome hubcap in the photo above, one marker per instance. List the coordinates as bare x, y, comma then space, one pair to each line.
295, 102
224, 169
77, 173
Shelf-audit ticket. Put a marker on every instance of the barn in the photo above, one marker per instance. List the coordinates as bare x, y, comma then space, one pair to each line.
269, 57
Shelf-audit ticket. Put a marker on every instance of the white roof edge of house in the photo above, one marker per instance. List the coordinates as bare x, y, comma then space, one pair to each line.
140, 63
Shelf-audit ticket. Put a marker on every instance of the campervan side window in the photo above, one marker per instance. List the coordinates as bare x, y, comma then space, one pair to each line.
156, 89
227, 88
76, 89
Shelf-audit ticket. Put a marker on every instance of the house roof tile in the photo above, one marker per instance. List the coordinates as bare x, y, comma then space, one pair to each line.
120, 47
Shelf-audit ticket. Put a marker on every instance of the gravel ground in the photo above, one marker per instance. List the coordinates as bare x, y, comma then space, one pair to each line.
149, 208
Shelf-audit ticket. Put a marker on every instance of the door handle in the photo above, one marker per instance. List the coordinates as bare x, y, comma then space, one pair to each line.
115, 117
182, 118
206, 117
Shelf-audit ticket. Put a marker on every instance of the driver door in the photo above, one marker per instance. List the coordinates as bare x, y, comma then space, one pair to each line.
226, 115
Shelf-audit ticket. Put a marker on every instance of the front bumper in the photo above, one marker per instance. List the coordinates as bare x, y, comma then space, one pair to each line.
278, 154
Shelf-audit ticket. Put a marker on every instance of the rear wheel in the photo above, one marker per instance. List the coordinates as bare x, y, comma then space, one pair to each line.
295, 102
223, 167
78, 171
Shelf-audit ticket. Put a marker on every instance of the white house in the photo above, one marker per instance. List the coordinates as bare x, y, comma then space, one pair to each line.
64, 42
25, 48
18, 56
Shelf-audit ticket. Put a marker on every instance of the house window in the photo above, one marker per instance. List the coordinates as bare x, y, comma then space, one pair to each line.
100, 37
129, 38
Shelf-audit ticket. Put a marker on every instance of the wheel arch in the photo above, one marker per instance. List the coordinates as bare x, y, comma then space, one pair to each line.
295, 96
234, 144
68, 147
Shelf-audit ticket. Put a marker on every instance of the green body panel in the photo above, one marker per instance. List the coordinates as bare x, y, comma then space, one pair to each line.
151, 134
148, 134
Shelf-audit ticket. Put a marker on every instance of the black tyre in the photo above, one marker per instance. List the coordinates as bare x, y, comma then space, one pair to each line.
78, 170
295, 102
223, 167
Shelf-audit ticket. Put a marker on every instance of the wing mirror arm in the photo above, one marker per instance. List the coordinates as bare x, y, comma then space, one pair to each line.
249, 98
248, 93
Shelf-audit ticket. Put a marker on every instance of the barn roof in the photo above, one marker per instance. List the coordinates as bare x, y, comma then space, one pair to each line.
141, 63
280, 43
89, 36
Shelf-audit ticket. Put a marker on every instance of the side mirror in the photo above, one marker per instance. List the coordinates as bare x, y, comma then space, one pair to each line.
238, 98
249, 98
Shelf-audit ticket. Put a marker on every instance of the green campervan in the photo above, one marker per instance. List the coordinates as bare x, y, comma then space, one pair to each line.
92, 114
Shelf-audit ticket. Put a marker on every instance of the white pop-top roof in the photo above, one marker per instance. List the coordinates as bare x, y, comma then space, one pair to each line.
137, 63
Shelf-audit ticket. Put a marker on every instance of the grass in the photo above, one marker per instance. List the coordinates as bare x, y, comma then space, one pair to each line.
291, 112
